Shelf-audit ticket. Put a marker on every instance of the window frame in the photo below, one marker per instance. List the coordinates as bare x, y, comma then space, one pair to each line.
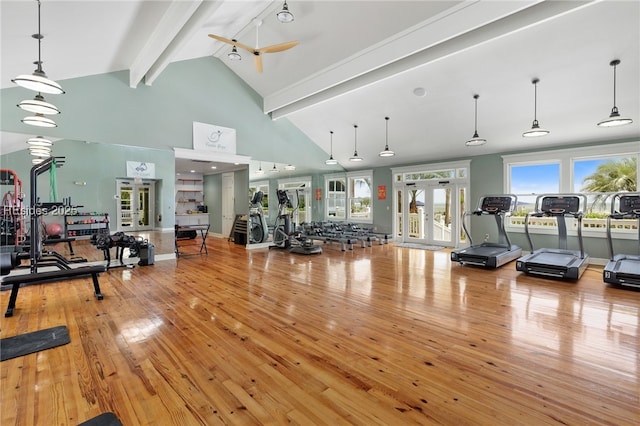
351, 177
567, 158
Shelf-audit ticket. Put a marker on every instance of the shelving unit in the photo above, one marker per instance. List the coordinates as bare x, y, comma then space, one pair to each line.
189, 194
189, 198
85, 225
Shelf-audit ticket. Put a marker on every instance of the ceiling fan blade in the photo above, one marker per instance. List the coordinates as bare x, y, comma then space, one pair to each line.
233, 43
278, 47
258, 62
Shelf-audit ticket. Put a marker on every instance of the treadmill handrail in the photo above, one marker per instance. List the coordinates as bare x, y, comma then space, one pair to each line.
498, 213
616, 214
559, 214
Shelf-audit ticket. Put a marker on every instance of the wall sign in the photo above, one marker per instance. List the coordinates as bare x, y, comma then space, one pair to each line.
207, 137
382, 192
137, 169
318, 194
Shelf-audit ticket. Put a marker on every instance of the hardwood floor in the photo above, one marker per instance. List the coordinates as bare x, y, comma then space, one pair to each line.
377, 335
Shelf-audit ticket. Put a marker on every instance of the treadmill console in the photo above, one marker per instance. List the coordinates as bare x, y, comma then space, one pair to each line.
496, 204
560, 205
630, 204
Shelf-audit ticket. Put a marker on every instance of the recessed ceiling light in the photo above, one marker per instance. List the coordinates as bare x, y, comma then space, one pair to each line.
192, 171
419, 91
214, 167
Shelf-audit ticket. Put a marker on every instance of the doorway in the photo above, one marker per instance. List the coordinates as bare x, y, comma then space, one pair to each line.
136, 204
228, 200
428, 213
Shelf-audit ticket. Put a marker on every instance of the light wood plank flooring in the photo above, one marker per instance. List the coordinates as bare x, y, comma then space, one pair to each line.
378, 335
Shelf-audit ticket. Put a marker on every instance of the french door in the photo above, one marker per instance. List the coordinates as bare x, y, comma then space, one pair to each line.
136, 205
429, 213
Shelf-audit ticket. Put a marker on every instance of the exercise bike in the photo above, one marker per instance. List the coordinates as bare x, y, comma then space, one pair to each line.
285, 235
258, 228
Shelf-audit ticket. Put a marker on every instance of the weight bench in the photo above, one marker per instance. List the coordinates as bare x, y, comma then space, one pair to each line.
38, 277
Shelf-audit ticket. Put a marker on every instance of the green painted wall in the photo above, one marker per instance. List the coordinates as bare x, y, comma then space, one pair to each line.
103, 108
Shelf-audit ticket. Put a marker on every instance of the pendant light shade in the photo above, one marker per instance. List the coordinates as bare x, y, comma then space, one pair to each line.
331, 161
535, 130
38, 105
386, 152
614, 119
38, 81
39, 141
476, 140
355, 157
284, 15
39, 120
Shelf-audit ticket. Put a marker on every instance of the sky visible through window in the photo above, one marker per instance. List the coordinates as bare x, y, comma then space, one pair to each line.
535, 179
584, 168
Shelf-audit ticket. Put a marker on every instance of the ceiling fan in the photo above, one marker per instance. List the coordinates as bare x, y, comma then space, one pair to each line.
257, 51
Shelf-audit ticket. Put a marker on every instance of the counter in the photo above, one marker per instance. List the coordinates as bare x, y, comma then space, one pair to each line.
192, 219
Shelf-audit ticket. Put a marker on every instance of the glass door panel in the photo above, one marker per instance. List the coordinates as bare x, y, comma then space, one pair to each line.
441, 213
415, 216
136, 205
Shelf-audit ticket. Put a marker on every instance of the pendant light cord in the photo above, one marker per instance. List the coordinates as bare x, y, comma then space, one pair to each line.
386, 144
331, 131
614, 84
476, 114
535, 100
355, 139
39, 37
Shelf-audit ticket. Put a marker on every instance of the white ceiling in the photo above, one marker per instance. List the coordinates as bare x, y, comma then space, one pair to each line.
359, 61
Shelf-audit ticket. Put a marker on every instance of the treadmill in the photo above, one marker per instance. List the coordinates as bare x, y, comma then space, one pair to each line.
556, 262
623, 269
490, 254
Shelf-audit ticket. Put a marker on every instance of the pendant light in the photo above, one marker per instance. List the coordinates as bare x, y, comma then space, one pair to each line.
38, 80
386, 152
260, 171
38, 105
39, 120
355, 157
284, 15
275, 169
614, 118
476, 140
331, 161
535, 130
39, 141
234, 55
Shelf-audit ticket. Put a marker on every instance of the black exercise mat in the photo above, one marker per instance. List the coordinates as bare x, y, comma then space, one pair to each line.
104, 419
24, 344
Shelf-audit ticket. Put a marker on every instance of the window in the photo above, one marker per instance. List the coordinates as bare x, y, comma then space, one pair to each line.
359, 185
336, 190
596, 172
530, 180
348, 196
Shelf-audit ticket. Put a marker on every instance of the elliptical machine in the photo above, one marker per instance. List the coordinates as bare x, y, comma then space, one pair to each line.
285, 235
258, 229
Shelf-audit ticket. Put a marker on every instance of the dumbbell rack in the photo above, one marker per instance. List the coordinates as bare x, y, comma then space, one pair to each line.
86, 224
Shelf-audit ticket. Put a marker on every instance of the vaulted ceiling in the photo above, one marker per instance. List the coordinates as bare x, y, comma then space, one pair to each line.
358, 62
